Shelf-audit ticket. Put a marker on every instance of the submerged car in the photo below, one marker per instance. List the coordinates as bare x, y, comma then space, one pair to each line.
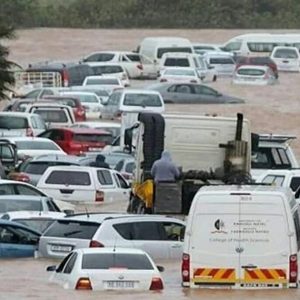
187, 93
254, 75
107, 269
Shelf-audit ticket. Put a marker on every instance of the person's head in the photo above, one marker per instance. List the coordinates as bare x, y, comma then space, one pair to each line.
100, 158
166, 155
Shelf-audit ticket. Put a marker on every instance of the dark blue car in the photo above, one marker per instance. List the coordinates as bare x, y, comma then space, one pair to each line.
17, 240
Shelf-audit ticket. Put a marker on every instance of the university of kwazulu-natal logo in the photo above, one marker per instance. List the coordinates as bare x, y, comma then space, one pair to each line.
219, 226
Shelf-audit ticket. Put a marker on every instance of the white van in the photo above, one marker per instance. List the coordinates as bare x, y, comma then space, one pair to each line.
286, 58
155, 47
242, 237
132, 100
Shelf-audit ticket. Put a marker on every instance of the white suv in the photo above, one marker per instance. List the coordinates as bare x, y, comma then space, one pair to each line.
160, 236
84, 184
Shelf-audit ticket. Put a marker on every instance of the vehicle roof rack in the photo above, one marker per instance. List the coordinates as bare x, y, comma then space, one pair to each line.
276, 137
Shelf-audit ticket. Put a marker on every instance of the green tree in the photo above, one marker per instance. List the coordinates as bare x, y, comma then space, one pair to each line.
7, 79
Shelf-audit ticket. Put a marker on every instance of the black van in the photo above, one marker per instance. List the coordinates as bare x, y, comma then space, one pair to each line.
70, 73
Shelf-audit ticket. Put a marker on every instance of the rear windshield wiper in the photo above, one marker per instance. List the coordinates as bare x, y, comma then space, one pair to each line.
72, 232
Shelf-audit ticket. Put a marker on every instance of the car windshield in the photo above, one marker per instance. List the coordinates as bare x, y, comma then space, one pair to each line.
94, 138
104, 81
92, 261
179, 72
11, 205
36, 145
251, 72
143, 100
40, 224
161, 51
286, 53
72, 229
13, 122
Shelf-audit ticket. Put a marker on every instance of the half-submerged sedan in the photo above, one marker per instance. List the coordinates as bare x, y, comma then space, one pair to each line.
107, 269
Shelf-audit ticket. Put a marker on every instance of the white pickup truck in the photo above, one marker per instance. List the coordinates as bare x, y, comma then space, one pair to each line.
286, 178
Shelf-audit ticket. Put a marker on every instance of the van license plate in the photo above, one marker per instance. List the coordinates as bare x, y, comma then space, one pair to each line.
119, 284
59, 248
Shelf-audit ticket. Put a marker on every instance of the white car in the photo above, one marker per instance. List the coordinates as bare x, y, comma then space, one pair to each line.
186, 75
254, 75
206, 73
223, 62
136, 65
34, 146
84, 184
111, 69
114, 128
90, 101
37, 220
21, 124
108, 269
286, 58
55, 115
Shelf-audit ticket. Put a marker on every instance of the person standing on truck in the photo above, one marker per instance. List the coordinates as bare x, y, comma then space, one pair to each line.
100, 162
164, 170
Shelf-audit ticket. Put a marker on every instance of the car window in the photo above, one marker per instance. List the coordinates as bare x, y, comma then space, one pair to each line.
130, 167
119, 165
92, 261
70, 264
40, 224
297, 227
33, 122
33, 94
63, 263
27, 190
36, 145
6, 152
17, 235
104, 177
204, 90
7, 189
295, 183
177, 62
161, 51
40, 123
114, 99
133, 57
273, 180
183, 88
52, 206
104, 81
151, 100
11, 122
286, 53
72, 229
174, 231
55, 116
221, 60
37, 168
123, 183
69, 178
7, 205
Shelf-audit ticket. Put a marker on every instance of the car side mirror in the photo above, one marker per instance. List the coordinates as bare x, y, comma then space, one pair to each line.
51, 268
160, 268
68, 212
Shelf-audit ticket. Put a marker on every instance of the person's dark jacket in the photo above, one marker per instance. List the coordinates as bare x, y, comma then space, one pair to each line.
100, 162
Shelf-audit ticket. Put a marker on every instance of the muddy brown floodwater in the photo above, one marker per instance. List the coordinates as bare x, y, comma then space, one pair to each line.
271, 109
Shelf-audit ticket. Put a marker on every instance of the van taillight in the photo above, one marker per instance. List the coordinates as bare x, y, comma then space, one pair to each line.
293, 268
185, 268
29, 132
99, 196
95, 244
65, 78
83, 283
156, 284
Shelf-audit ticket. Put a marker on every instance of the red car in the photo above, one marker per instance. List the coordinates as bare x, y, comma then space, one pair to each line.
76, 141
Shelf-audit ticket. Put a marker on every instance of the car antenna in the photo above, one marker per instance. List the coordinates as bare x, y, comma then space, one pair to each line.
87, 213
41, 208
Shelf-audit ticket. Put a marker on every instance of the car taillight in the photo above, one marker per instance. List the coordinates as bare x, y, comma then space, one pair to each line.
140, 66
163, 80
80, 111
293, 268
156, 284
65, 78
29, 132
21, 177
99, 196
95, 244
185, 268
83, 283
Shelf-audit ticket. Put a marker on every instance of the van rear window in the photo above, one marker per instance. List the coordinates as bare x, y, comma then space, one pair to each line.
161, 51
13, 122
69, 178
143, 100
72, 229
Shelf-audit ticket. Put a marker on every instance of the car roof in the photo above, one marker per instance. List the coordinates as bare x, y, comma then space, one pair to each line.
140, 91
50, 105
27, 138
23, 197
111, 250
76, 92
34, 214
55, 157
75, 168
86, 130
6, 222
104, 124
93, 217
16, 114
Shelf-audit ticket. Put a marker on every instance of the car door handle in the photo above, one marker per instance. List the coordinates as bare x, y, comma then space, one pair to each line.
176, 246
66, 191
249, 267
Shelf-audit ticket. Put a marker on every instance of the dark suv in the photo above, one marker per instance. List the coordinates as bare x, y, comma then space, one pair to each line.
257, 61
71, 73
